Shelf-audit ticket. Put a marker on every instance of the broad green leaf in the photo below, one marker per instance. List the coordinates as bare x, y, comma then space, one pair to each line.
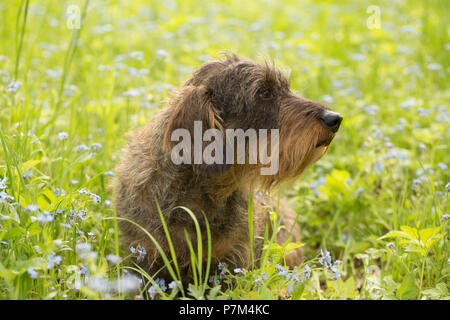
298, 291
408, 289
411, 232
34, 228
292, 246
428, 233
395, 234
14, 233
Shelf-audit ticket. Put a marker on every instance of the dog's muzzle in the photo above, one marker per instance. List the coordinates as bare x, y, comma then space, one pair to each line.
331, 120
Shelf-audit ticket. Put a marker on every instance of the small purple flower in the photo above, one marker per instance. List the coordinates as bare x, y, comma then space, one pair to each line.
3, 183
306, 273
59, 192
161, 284
63, 136
81, 148
325, 258
13, 87
53, 260
32, 208
265, 276
27, 175
96, 146
447, 187
84, 271
391, 246
359, 192
32, 273
82, 247
153, 291
174, 285
442, 166
335, 270
238, 271
258, 282
141, 253
377, 167
445, 217
113, 259
289, 289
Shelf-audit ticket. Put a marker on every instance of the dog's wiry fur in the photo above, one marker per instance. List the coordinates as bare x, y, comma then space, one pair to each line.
229, 93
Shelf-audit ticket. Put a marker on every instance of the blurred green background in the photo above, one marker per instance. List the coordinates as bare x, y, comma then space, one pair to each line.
69, 95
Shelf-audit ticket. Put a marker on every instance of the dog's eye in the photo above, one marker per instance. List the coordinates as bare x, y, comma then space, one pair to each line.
266, 94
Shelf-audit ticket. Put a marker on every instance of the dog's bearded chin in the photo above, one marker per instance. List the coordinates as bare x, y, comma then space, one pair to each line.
318, 152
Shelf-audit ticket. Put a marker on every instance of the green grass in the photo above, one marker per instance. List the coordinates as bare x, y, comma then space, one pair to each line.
377, 201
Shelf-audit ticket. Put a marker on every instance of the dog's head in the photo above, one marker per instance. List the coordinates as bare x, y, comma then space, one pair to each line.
237, 93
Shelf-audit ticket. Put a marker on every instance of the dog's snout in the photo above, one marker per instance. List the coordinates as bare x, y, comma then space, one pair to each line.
332, 120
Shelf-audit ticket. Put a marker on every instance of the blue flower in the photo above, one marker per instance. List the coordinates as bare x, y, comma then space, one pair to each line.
222, 266
359, 192
371, 110
113, 259
13, 87
447, 187
59, 192
32, 273
306, 273
161, 284
109, 173
84, 271
265, 276
32, 208
141, 253
335, 270
153, 291
391, 246
238, 271
325, 258
3, 183
442, 166
96, 146
27, 175
53, 260
258, 282
377, 167
81, 147
289, 289
174, 285
63, 136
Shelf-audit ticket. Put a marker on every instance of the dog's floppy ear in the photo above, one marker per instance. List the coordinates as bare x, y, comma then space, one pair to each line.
193, 104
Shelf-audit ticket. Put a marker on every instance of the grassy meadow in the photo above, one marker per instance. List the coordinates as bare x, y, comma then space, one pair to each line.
76, 76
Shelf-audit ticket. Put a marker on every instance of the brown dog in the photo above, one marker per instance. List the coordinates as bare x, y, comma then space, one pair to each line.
227, 94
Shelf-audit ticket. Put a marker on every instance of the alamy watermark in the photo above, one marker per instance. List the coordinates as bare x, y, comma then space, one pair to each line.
259, 147
374, 20
73, 17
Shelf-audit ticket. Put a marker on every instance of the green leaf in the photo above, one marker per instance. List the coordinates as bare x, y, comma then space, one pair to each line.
298, 291
411, 232
408, 289
428, 233
395, 234
14, 233
34, 228
437, 292
292, 246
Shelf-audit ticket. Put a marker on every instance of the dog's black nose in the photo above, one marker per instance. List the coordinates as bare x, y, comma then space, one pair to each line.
332, 120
